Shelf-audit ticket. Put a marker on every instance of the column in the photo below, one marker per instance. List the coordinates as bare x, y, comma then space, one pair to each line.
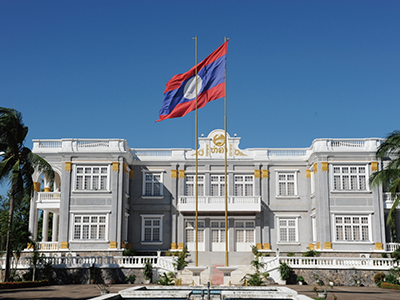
45, 231
265, 211
66, 187
54, 237
174, 201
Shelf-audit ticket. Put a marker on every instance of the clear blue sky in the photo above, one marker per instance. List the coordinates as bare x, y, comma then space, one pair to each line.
297, 70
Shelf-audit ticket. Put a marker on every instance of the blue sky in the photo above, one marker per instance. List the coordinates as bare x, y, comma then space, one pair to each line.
296, 70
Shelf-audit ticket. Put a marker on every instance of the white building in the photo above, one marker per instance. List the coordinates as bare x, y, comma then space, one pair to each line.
107, 197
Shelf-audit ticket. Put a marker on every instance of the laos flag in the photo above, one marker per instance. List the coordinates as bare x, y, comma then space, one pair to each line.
180, 92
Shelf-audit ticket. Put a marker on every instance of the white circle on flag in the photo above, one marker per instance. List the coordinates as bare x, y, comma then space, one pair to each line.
189, 91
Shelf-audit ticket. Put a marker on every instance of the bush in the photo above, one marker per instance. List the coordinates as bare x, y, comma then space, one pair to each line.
290, 254
391, 279
148, 270
310, 253
396, 254
285, 270
379, 278
131, 279
386, 285
129, 252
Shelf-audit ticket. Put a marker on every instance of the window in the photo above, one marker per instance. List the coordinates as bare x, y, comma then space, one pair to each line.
287, 185
244, 185
91, 178
352, 228
152, 229
348, 178
190, 184
217, 185
191, 230
152, 184
287, 230
90, 227
218, 231
244, 231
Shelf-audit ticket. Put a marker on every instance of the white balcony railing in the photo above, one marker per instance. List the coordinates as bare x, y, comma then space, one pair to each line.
46, 246
48, 200
211, 203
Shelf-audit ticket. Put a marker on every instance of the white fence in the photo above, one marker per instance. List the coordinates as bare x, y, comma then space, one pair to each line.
165, 263
339, 263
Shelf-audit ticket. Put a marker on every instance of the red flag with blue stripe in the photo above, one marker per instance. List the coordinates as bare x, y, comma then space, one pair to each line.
180, 91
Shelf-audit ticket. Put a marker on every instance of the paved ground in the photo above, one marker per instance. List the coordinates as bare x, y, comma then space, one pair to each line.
83, 292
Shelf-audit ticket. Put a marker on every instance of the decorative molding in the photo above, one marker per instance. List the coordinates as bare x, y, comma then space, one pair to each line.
36, 186
328, 245
318, 245
325, 167
311, 246
47, 189
125, 168
258, 245
181, 174
374, 166
64, 245
115, 166
267, 246
378, 246
257, 173
265, 173
173, 246
68, 166
123, 245
174, 174
308, 174
180, 246
113, 245
131, 174
315, 168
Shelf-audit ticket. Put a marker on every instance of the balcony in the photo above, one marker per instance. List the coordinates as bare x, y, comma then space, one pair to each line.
48, 200
388, 201
217, 204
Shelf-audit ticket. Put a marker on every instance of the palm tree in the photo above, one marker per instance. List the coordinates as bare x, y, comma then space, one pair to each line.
390, 174
17, 166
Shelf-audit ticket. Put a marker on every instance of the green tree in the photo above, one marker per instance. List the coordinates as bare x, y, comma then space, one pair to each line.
17, 166
390, 174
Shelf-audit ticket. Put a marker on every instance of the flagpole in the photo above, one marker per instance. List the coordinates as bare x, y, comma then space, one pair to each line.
226, 176
197, 167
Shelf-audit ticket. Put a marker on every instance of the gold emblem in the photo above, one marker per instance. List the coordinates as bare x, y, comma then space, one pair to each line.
219, 140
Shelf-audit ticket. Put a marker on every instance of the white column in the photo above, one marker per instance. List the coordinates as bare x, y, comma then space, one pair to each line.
45, 231
54, 237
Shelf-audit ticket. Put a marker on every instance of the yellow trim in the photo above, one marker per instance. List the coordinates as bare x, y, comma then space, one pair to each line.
258, 245
265, 174
267, 246
257, 173
47, 189
181, 174
328, 245
122, 244
374, 166
173, 246
315, 168
125, 168
174, 174
318, 245
311, 246
68, 166
180, 246
128, 246
113, 244
36, 186
64, 245
115, 166
308, 174
29, 246
325, 167
378, 246
131, 174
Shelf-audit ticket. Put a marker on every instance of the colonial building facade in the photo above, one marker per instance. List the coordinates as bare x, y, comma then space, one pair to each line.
107, 196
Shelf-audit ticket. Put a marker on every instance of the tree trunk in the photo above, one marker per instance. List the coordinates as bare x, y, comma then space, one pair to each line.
8, 242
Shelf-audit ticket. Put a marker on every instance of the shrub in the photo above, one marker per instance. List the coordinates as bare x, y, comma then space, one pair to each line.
131, 279
148, 270
167, 279
285, 270
386, 285
129, 252
379, 278
290, 254
310, 253
391, 279
396, 254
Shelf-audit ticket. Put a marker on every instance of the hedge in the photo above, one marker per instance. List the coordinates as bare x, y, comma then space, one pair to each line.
23, 284
386, 285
